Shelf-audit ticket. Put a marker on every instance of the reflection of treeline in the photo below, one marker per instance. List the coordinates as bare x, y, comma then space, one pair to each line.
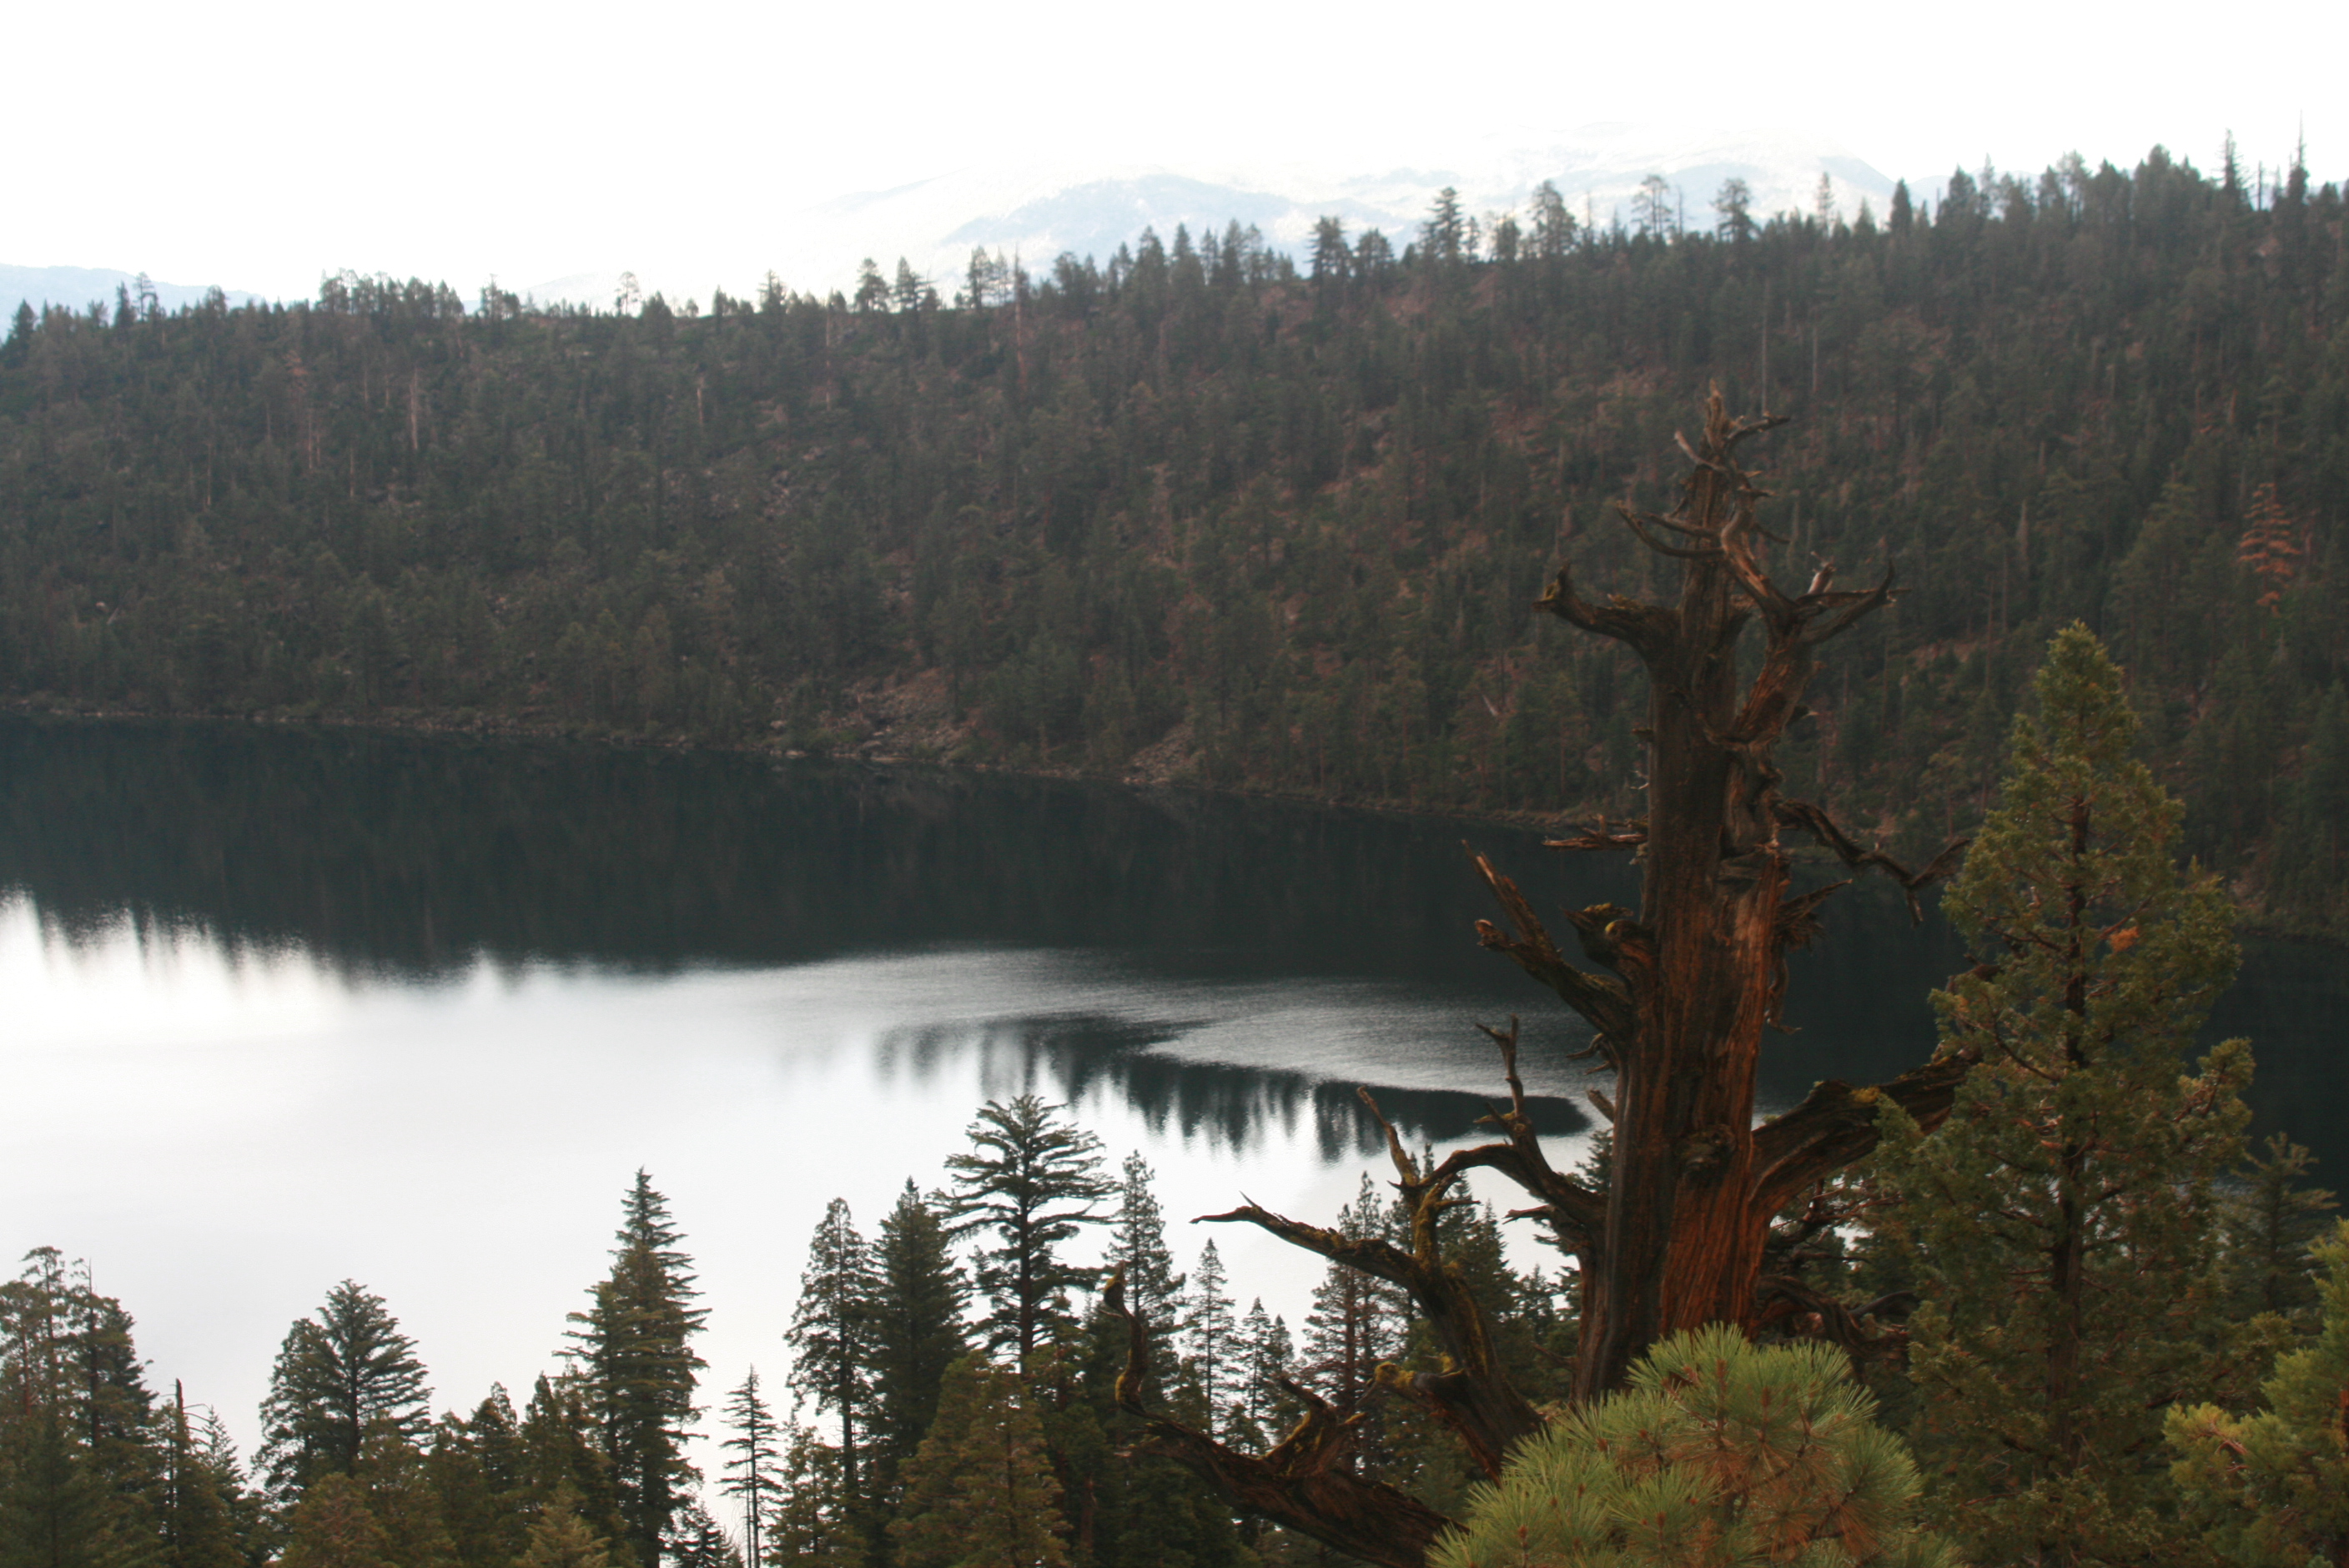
1176, 1096
419, 853
1291, 522
952, 1383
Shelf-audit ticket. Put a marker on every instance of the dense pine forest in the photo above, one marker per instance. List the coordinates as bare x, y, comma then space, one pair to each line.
952, 1361
1195, 511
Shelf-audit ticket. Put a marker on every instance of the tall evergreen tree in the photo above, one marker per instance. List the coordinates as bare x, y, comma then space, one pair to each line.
981, 1492
338, 1374
1211, 1348
2081, 1159
831, 1335
1028, 1184
916, 1332
1355, 1323
76, 1455
198, 1519
2270, 1490
637, 1369
1138, 1245
561, 1458
560, 1538
752, 1463
814, 1527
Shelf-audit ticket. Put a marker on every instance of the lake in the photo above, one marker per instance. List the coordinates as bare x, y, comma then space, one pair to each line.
288, 1006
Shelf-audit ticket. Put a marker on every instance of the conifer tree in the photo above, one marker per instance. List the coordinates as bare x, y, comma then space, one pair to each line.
561, 1458
2274, 1219
1211, 1350
1717, 1453
831, 1335
696, 1541
476, 1464
814, 1526
2272, 1489
559, 1538
1028, 1184
637, 1367
916, 1332
57, 1504
197, 1521
1265, 1357
1353, 1325
1138, 1244
339, 1373
2078, 1165
750, 1471
332, 1527
981, 1492
402, 1498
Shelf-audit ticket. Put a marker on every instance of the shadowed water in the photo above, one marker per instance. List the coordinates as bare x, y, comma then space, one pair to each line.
289, 1005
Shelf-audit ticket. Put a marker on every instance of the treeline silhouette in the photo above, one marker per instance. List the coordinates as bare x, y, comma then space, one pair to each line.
1195, 511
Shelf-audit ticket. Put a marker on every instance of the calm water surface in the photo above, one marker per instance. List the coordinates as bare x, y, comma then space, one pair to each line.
285, 1008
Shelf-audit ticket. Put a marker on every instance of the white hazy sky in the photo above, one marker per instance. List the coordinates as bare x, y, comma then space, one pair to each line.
260, 145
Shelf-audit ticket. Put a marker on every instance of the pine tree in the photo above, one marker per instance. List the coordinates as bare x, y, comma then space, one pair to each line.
695, 1541
57, 1503
1717, 1453
812, 1528
1354, 1323
332, 1527
560, 1538
637, 1369
981, 1492
197, 1518
1138, 1245
2080, 1160
2272, 1489
750, 1473
831, 1335
1265, 1357
1028, 1184
563, 1463
401, 1496
916, 1333
1211, 1350
477, 1467
2273, 1220
338, 1374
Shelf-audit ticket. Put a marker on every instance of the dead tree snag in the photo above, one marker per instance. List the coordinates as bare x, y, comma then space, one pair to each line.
1678, 995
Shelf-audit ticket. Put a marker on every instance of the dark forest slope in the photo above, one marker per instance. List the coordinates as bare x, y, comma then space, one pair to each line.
1193, 513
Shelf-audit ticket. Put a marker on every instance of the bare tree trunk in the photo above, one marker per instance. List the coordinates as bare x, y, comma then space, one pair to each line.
1678, 997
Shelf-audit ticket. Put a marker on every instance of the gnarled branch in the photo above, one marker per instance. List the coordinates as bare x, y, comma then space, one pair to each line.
1301, 1482
1603, 1001
1820, 826
1646, 627
1836, 1124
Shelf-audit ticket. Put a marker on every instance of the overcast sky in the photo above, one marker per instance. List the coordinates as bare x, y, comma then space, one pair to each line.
264, 144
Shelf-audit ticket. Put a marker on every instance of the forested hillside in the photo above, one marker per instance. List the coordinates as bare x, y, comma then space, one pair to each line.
1193, 510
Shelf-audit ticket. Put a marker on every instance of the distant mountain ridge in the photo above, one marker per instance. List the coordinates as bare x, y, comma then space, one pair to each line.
77, 288
1038, 210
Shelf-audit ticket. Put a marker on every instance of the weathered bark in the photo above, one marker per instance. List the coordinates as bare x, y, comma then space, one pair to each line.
1305, 1481
1678, 995
1700, 970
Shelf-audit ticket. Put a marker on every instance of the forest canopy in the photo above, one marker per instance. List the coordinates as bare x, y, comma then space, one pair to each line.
1195, 511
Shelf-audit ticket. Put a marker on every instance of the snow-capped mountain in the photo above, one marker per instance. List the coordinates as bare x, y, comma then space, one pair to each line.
1037, 211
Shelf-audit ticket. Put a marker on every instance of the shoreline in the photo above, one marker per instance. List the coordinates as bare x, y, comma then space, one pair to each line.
488, 727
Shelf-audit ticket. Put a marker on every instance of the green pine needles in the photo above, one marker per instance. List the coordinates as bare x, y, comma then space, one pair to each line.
2066, 1224
1720, 1454
2272, 1489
